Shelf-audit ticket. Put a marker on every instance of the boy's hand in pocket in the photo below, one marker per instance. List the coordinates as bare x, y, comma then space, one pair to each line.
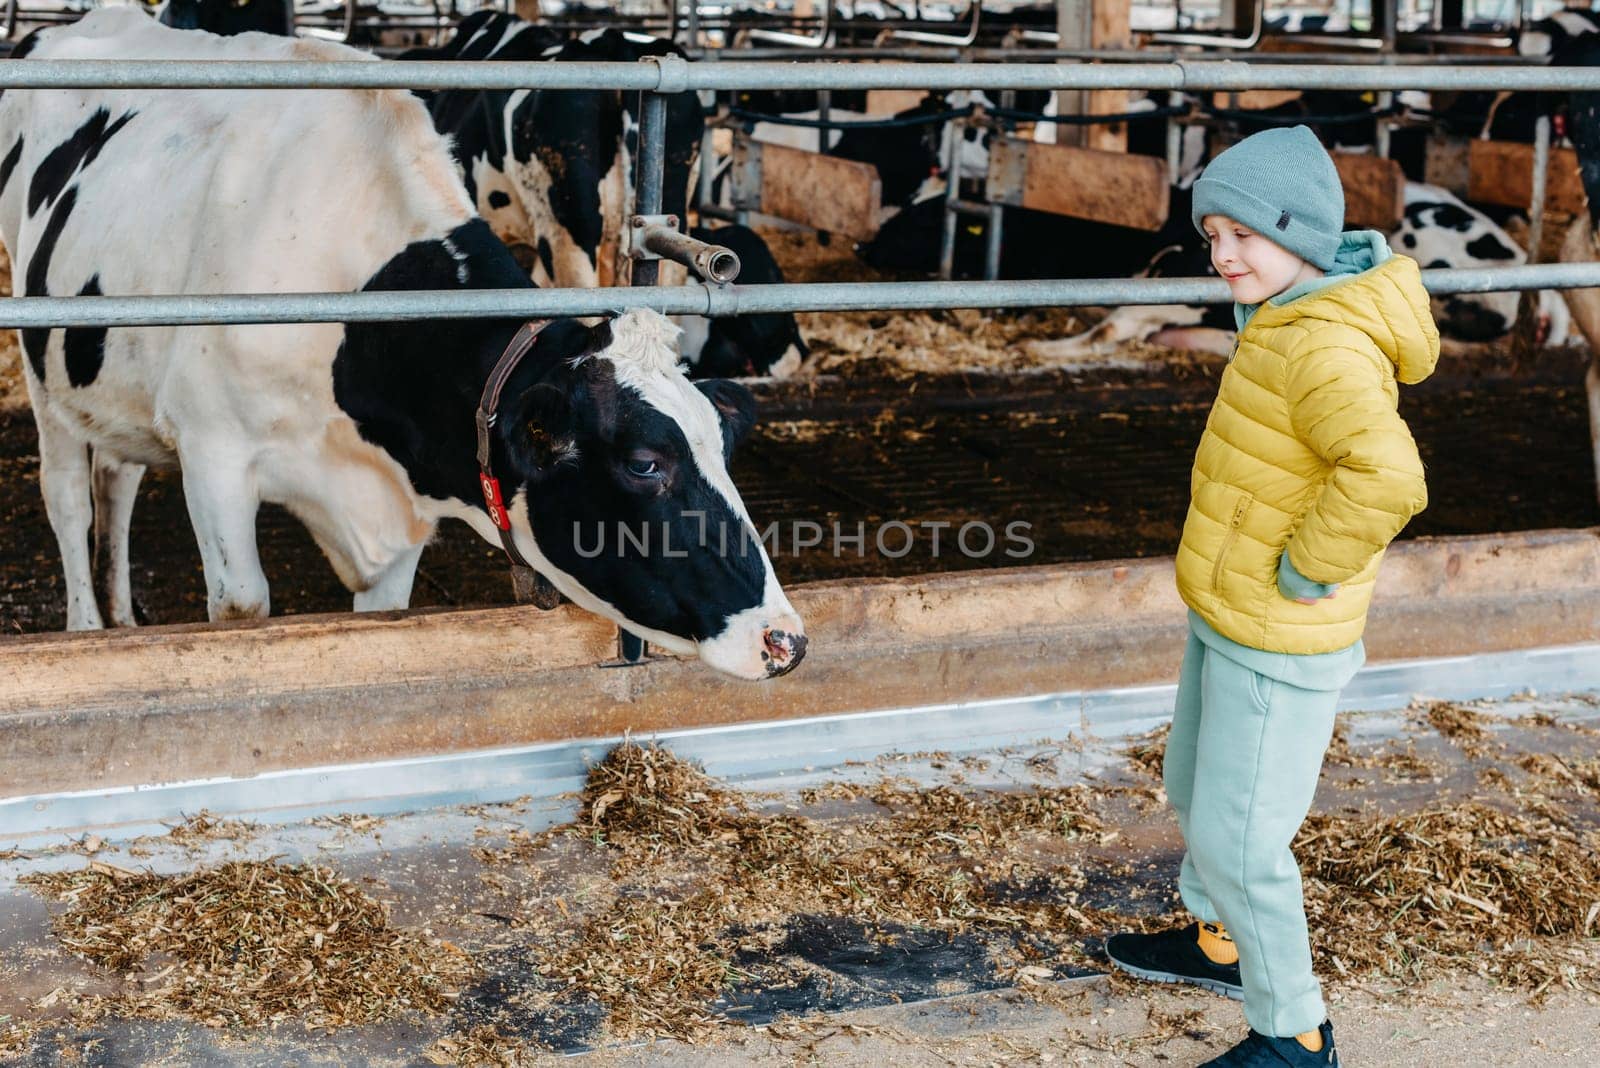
1296, 587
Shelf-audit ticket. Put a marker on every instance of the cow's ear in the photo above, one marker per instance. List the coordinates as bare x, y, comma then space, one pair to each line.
735, 406
537, 429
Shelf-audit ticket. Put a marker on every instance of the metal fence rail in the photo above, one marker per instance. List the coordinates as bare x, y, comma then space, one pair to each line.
657, 76
714, 300
673, 74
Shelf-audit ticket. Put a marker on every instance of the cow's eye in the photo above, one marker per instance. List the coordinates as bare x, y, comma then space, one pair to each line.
643, 467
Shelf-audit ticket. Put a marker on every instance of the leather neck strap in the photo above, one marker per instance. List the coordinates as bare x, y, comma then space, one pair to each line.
493, 500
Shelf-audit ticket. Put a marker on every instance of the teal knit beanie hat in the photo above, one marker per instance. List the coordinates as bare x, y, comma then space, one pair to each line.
1283, 185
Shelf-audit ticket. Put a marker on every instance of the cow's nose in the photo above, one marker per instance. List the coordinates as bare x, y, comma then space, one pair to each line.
783, 651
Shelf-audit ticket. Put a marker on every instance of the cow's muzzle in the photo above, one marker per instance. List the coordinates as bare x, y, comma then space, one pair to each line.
782, 651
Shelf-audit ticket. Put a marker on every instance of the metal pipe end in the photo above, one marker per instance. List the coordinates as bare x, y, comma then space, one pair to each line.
718, 265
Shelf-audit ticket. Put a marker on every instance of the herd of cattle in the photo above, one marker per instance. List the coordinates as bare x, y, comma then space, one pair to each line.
366, 432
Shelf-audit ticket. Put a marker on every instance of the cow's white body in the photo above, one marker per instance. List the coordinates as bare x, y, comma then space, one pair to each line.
255, 196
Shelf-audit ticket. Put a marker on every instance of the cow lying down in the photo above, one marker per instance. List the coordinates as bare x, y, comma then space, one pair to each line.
1438, 231
365, 432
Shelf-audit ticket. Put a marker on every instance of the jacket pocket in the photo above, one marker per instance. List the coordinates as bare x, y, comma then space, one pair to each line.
1241, 507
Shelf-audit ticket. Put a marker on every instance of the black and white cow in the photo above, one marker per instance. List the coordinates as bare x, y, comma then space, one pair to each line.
767, 345
553, 170
1510, 116
365, 432
1438, 230
552, 173
229, 17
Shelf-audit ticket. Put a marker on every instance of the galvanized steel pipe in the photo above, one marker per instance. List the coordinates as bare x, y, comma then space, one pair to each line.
700, 299
671, 75
711, 262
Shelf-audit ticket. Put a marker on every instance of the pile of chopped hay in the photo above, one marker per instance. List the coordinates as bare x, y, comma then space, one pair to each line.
479, 1047
250, 943
646, 801
908, 343
929, 342
712, 879
15, 1037
1400, 764
1466, 727
204, 828
1465, 886
1149, 751
1573, 773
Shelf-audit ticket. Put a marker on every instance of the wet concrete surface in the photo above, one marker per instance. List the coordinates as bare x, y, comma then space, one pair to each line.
1097, 466
426, 866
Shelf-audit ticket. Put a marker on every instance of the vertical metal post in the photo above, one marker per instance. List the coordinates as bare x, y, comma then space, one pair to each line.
993, 237
952, 197
1386, 22
705, 189
1385, 101
649, 181
651, 173
824, 105
691, 26
1074, 31
1541, 175
1174, 140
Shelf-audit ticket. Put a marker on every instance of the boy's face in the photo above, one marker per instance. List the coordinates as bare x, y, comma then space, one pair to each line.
1255, 267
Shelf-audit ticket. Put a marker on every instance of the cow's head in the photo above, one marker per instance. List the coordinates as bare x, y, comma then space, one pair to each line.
618, 467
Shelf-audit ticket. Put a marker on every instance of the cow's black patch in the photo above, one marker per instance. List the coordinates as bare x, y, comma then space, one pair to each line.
1437, 264
1489, 247
35, 339
547, 257
412, 387
747, 344
39, 263
85, 346
1470, 321
1440, 214
229, 17
27, 44
71, 155
1408, 240
499, 198
9, 164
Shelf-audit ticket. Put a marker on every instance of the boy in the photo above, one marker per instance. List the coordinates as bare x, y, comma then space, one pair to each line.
1304, 474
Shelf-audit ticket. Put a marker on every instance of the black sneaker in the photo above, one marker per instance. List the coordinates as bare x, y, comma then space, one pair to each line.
1262, 1051
1174, 957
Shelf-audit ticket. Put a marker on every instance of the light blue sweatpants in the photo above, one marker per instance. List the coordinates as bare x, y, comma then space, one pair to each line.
1241, 769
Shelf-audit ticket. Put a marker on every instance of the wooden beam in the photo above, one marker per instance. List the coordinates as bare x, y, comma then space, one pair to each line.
893, 101
1085, 183
1111, 30
840, 196
163, 704
1501, 172
1374, 191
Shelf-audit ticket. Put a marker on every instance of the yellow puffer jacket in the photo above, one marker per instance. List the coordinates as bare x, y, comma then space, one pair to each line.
1305, 453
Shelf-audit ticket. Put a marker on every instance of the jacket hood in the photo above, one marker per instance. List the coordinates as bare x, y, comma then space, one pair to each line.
1372, 290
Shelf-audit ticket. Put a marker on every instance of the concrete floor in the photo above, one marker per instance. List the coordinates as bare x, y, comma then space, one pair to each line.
424, 865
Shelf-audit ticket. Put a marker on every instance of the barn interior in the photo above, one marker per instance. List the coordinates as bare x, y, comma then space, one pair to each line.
468, 728
961, 415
